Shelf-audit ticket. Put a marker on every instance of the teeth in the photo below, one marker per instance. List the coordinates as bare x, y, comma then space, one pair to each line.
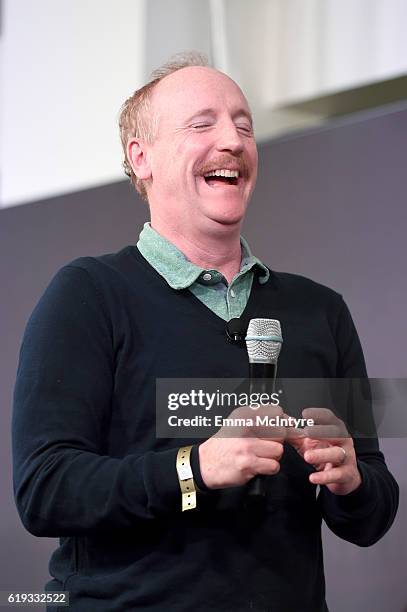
224, 172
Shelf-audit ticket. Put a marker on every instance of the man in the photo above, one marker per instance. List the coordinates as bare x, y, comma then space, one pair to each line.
89, 468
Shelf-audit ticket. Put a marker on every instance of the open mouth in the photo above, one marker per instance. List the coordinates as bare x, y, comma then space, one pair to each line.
215, 178
214, 181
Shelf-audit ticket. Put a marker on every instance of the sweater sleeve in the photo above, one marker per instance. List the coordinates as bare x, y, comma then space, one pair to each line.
65, 483
363, 516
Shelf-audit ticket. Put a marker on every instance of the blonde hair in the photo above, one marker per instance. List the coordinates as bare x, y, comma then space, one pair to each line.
136, 119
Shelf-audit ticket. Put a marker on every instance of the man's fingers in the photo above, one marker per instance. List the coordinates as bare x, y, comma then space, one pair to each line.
268, 449
323, 432
335, 475
294, 434
322, 416
266, 467
334, 455
326, 424
269, 432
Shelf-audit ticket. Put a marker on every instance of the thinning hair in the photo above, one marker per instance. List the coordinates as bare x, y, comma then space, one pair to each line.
136, 118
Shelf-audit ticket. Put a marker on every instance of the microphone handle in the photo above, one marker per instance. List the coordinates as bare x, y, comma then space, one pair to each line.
262, 377
256, 488
262, 380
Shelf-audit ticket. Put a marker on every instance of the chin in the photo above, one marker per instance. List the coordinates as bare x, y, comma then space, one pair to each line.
223, 212
227, 220
230, 215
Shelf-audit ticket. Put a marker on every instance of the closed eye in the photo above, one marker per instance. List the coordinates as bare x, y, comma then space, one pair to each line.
247, 129
199, 126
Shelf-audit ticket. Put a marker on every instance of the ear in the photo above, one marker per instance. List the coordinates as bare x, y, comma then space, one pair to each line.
137, 153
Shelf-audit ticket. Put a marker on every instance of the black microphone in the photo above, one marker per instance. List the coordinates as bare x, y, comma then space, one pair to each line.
263, 341
236, 330
262, 377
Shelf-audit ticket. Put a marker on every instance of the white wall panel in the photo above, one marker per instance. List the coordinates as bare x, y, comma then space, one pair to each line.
67, 67
284, 51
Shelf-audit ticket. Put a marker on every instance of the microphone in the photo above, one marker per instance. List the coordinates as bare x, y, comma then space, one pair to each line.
263, 342
236, 330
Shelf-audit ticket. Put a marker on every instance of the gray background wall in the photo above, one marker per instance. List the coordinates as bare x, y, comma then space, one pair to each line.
329, 204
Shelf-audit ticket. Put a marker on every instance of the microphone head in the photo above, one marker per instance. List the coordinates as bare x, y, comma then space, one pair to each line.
236, 330
263, 340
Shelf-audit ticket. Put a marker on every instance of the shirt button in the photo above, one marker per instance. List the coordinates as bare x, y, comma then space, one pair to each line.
232, 293
207, 276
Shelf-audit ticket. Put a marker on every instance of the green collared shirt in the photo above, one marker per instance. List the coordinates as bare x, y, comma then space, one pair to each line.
209, 286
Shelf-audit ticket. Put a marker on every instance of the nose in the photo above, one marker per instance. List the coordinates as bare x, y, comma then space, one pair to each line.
229, 138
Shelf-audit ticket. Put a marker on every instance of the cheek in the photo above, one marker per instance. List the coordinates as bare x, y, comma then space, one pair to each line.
193, 150
253, 154
175, 166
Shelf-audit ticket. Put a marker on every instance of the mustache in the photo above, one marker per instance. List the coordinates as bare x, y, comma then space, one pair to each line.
227, 162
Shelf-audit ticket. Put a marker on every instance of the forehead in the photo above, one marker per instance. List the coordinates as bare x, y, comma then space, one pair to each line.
195, 88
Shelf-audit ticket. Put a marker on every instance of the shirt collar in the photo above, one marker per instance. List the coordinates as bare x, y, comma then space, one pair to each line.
176, 269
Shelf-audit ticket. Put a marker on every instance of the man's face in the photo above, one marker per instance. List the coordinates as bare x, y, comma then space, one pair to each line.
203, 127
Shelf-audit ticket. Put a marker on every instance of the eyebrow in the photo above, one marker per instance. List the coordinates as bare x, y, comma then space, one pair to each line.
210, 111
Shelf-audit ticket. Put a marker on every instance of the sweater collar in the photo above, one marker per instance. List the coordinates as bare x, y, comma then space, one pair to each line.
176, 269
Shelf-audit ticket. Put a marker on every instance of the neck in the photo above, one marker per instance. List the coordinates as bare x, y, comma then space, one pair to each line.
218, 250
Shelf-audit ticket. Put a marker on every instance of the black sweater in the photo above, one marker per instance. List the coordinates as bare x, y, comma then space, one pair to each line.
89, 469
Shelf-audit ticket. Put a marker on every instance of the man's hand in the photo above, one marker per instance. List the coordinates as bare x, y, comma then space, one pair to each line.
329, 448
234, 455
